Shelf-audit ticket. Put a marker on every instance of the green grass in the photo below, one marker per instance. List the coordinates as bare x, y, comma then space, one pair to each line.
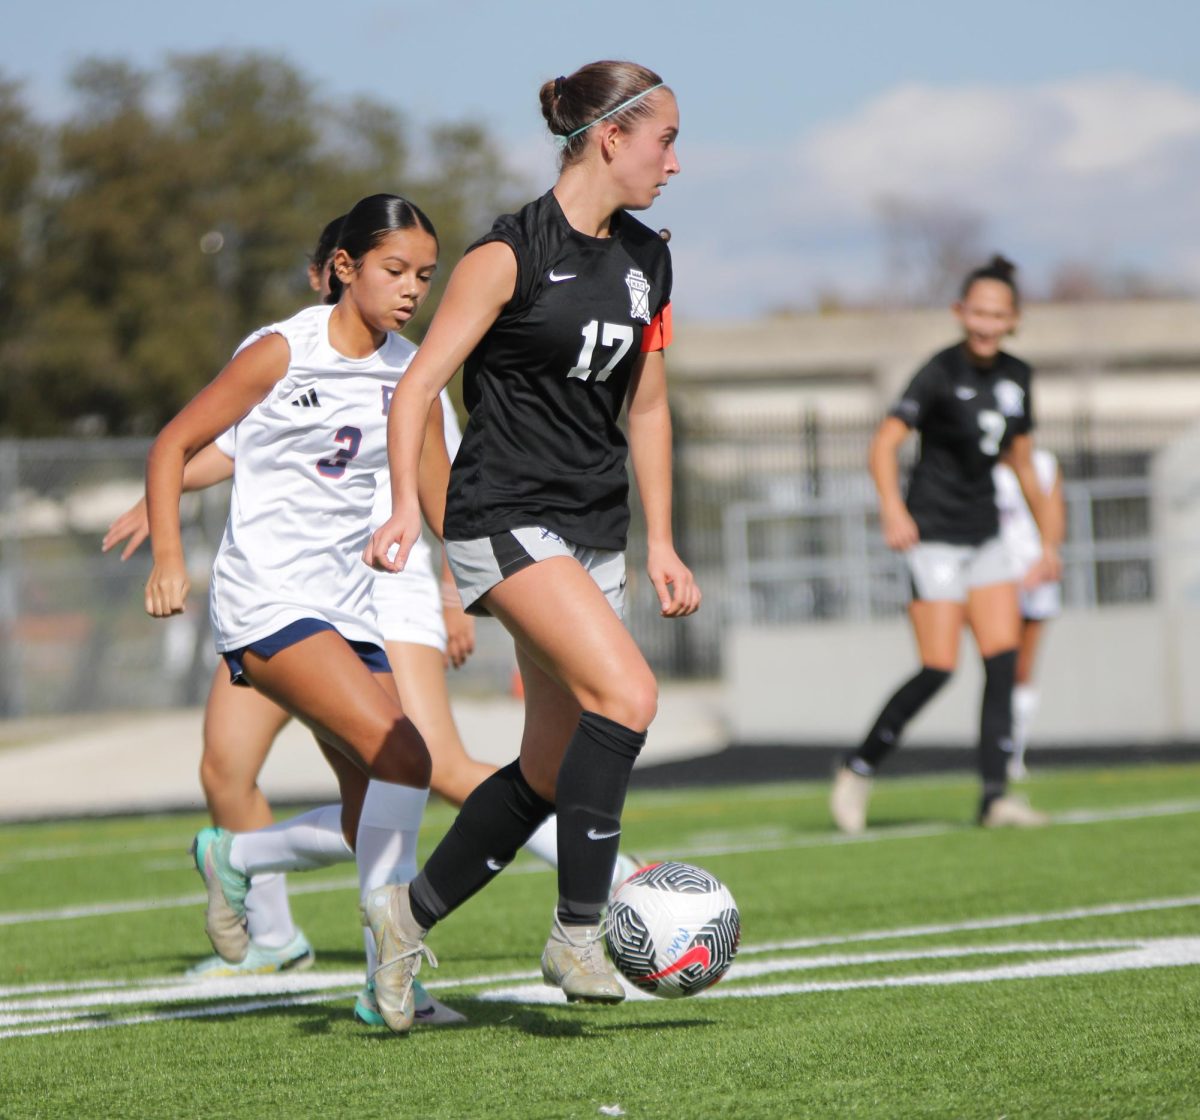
1121, 1043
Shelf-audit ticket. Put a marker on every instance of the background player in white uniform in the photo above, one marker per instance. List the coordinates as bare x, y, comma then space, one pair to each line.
557, 312
290, 601
972, 404
240, 723
1041, 600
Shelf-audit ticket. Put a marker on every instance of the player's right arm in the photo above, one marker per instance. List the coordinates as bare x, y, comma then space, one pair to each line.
899, 529
480, 285
245, 381
210, 466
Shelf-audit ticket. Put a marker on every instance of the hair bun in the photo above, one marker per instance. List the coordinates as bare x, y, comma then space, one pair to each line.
1002, 265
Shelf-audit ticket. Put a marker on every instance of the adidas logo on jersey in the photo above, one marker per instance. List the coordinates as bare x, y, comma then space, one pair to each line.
307, 400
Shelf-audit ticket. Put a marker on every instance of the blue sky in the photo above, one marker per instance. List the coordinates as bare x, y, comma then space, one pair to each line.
1072, 128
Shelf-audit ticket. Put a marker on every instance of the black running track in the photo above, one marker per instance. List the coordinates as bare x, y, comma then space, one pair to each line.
759, 764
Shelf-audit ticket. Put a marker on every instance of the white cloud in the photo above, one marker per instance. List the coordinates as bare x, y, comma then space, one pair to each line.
1102, 169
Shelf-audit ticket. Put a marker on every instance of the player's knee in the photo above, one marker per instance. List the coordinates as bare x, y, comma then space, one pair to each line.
634, 704
932, 679
403, 758
219, 780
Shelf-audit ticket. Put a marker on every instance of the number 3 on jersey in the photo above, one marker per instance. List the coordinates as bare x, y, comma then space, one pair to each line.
612, 334
335, 465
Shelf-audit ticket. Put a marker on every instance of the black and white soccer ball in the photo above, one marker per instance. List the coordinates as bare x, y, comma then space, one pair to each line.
673, 929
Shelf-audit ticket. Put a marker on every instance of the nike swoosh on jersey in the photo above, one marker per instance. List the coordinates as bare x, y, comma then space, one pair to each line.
594, 835
554, 278
964, 394
494, 864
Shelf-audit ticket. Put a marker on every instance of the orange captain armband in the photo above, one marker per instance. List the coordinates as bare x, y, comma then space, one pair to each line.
658, 335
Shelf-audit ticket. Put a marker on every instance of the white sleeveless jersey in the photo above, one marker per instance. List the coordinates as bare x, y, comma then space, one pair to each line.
307, 457
1018, 529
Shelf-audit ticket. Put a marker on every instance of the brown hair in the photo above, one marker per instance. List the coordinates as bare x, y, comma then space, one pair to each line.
572, 104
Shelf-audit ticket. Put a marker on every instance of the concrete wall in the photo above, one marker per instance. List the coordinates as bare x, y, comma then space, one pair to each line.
1119, 675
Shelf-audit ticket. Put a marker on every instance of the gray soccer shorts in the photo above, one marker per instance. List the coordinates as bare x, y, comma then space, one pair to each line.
478, 565
944, 573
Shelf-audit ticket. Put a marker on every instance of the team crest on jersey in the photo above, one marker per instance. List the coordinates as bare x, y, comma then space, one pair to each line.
1010, 398
639, 295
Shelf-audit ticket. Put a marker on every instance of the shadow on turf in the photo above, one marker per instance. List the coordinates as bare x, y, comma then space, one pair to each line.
559, 1022
579, 1021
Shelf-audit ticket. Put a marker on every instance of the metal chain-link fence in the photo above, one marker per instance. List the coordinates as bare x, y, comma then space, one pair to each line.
776, 518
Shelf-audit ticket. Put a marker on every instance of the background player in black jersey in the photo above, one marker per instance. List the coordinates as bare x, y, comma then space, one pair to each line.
560, 313
972, 405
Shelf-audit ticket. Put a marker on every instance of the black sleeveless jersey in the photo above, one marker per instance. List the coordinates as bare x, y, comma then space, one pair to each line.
545, 386
966, 415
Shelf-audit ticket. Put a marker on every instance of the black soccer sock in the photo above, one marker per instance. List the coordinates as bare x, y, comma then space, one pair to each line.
905, 703
501, 813
995, 724
590, 796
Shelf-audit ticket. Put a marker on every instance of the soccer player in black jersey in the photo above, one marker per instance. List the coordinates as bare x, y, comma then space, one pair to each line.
972, 405
560, 314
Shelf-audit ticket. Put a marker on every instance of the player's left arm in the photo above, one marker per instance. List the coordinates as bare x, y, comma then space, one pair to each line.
1047, 512
650, 448
433, 470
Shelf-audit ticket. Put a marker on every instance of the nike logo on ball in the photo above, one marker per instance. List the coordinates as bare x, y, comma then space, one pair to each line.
594, 835
554, 278
697, 954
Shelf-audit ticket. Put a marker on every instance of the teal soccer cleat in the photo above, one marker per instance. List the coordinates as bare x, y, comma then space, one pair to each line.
225, 915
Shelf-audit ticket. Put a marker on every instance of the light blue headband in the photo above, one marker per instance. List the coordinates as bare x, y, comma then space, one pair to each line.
563, 141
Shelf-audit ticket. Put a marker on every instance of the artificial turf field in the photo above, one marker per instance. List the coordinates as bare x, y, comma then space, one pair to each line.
926, 969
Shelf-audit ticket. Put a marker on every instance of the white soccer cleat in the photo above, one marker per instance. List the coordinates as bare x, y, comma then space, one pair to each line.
429, 1012
848, 801
296, 956
399, 949
574, 960
1010, 811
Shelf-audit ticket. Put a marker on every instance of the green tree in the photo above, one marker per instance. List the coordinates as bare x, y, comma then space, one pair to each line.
167, 234
20, 163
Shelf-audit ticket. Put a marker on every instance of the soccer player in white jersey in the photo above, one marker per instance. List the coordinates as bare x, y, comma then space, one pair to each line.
1040, 601
290, 600
423, 626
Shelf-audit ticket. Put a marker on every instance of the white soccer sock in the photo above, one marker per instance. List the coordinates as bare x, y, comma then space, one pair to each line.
1024, 705
544, 842
268, 915
304, 843
369, 945
386, 845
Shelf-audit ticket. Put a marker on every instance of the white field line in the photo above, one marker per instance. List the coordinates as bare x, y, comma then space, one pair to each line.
94, 851
336, 985
188, 991
1149, 953
1165, 952
21, 1017
240, 1008
1006, 921
1099, 816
